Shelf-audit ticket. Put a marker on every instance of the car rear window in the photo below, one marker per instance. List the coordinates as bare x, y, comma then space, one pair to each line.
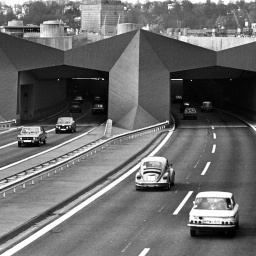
152, 164
211, 203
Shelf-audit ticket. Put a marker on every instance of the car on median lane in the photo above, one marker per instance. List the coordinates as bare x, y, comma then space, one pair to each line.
214, 211
189, 113
154, 172
65, 124
79, 98
75, 106
98, 105
33, 135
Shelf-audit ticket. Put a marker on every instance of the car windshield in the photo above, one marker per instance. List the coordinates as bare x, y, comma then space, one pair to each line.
152, 164
64, 120
29, 130
211, 203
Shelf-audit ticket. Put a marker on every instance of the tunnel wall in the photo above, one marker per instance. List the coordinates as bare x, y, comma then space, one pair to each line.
8, 89
48, 96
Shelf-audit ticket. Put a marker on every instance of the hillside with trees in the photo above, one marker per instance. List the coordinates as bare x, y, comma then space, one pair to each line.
158, 15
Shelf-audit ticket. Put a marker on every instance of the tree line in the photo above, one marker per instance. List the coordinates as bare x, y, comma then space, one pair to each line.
158, 15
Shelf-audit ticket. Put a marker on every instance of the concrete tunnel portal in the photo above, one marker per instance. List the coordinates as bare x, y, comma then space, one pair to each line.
138, 67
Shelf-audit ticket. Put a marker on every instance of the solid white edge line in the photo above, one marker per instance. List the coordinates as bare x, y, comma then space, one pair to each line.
144, 252
183, 202
73, 211
46, 151
206, 168
213, 148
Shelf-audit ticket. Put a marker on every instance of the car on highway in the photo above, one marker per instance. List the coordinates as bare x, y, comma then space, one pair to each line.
214, 211
75, 106
98, 105
33, 135
154, 172
79, 98
189, 113
65, 124
206, 106
183, 106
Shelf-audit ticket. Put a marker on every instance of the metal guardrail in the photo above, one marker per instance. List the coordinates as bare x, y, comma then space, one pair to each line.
29, 176
7, 124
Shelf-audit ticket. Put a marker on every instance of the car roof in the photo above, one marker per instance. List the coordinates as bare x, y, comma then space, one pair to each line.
154, 158
206, 102
65, 118
215, 194
32, 126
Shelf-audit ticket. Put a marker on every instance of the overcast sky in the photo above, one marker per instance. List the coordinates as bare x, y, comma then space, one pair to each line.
11, 2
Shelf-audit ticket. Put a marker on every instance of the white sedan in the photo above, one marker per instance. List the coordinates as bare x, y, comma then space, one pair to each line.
154, 172
214, 211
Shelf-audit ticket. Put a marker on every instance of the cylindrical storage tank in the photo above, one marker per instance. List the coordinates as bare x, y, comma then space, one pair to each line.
15, 23
53, 28
126, 27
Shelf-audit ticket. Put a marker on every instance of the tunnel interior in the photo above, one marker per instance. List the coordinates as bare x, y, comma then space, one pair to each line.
224, 87
65, 81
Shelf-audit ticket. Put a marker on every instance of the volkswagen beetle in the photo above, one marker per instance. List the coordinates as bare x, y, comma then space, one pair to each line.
154, 172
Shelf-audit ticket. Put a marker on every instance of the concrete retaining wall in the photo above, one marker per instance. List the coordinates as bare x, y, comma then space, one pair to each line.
217, 43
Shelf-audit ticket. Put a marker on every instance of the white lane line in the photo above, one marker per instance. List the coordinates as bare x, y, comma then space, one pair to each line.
12, 143
183, 202
214, 136
8, 145
212, 127
43, 152
79, 207
144, 252
213, 148
206, 168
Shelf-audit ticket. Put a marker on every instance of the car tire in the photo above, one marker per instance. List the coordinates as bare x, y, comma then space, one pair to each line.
44, 142
137, 188
237, 224
232, 233
168, 187
39, 143
192, 233
19, 144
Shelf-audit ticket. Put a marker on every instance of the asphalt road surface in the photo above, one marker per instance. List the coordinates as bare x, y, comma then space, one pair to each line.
215, 152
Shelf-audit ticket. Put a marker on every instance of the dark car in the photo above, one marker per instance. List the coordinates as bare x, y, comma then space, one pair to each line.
79, 98
183, 106
189, 113
34, 135
206, 106
98, 105
75, 106
65, 124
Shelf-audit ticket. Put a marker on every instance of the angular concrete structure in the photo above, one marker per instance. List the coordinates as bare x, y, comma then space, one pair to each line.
139, 66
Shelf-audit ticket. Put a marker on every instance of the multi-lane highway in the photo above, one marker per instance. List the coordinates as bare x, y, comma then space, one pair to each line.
215, 152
